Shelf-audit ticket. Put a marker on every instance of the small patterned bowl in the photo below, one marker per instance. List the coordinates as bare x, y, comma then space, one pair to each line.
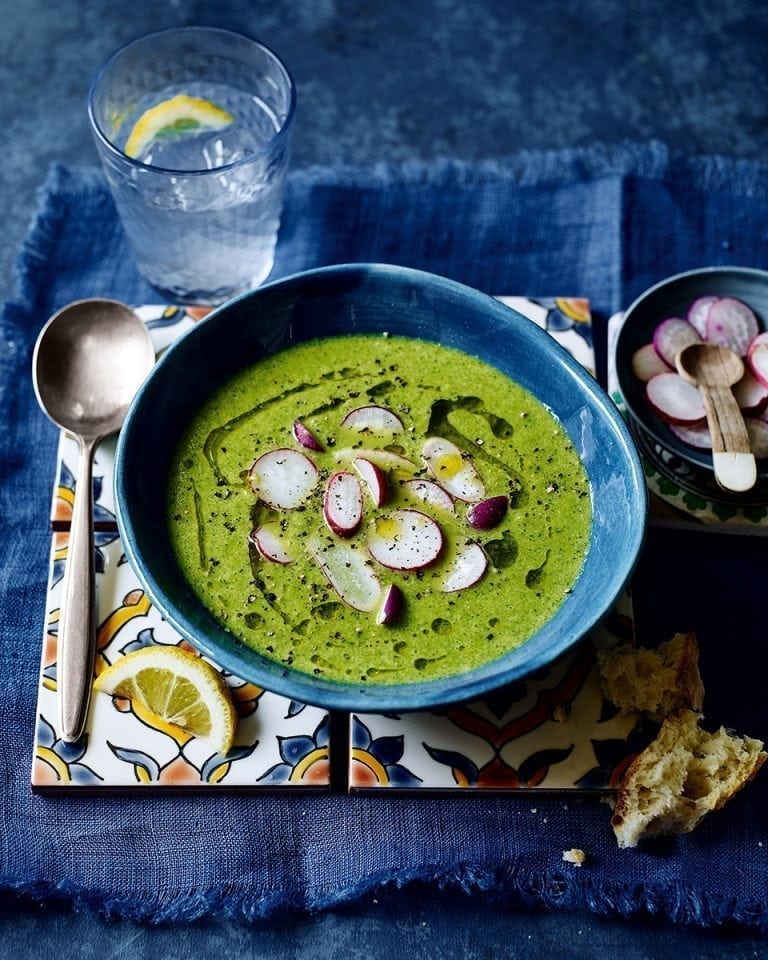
376, 298
688, 466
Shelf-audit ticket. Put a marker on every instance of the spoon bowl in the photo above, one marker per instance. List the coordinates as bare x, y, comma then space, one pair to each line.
89, 361
714, 369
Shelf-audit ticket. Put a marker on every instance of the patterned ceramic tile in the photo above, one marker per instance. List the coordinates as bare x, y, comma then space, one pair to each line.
554, 731
279, 743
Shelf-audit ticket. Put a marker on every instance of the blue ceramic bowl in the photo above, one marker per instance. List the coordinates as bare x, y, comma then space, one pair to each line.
375, 298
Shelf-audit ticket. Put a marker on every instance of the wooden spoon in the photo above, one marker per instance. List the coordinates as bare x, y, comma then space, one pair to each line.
714, 370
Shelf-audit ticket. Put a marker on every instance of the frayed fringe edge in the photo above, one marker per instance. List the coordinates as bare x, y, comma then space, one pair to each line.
505, 887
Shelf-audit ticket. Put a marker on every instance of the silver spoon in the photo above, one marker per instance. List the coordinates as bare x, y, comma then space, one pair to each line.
89, 361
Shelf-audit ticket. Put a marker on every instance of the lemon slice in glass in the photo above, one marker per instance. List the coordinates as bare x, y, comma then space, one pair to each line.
173, 118
177, 687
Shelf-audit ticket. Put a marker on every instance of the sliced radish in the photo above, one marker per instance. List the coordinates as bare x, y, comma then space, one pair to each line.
429, 492
386, 459
468, 567
488, 513
283, 478
698, 313
349, 573
271, 545
758, 437
343, 503
671, 336
391, 606
695, 435
673, 399
750, 394
453, 470
731, 323
373, 419
646, 363
305, 437
405, 540
374, 478
757, 357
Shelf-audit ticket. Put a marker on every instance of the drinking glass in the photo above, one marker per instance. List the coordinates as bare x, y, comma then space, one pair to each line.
192, 126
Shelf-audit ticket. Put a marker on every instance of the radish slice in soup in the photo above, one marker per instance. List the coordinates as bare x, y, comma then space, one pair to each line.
405, 540
373, 419
646, 363
731, 323
453, 469
386, 459
487, 513
429, 492
270, 545
283, 478
305, 437
391, 606
343, 503
349, 572
675, 400
374, 479
671, 336
468, 567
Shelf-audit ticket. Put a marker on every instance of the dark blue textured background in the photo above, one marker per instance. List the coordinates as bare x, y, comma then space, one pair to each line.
390, 82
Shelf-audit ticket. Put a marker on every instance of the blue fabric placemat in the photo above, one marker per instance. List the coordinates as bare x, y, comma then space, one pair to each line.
601, 223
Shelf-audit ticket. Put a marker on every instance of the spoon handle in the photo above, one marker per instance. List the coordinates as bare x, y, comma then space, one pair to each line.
732, 457
77, 630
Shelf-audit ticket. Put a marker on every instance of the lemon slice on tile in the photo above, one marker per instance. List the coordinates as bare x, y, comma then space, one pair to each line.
173, 118
177, 687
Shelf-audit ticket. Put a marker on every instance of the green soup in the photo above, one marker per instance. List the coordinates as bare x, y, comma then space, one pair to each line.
290, 611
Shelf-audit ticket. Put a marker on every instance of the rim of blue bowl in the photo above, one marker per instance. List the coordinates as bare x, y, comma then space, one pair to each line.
541, 649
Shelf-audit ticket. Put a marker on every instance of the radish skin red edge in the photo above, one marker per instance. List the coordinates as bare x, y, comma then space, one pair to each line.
453, 470
306, 438
269, 544
349, 573
391, 606
373, 419
757, 358
468, 567
731, 323
343, 504
674, 400
488, 513
374, 478
646, 363
671, 336
430, 492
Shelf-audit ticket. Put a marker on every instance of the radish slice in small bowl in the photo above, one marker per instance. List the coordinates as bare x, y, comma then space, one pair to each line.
453, 470
270, 545
751, 395
468, 567
373, 419
757, 357
758, 437
698, 313
349, 572
671, 336
695, 434
646, 363
374, 478
405, 540
343, 503
674, 400
731, 323
429, 492
283, 478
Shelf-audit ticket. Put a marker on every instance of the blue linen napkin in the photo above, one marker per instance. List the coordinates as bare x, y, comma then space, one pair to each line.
603, 223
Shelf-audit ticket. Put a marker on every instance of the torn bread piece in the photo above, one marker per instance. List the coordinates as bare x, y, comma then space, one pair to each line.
681, 776
657, 681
